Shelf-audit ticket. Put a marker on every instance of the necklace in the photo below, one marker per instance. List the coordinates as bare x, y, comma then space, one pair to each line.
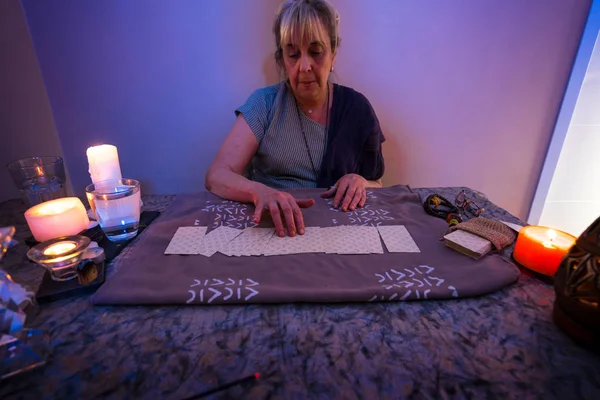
312, 163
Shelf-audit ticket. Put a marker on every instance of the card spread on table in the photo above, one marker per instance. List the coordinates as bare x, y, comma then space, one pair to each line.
397, 239
310, 242
348, 239
217, 239
243, 244
258, 248
187, 240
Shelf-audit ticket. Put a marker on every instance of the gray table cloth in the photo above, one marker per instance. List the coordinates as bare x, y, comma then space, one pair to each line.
147, 276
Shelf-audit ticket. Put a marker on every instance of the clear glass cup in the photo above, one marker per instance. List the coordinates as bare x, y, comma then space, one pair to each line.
39, 178
116, 204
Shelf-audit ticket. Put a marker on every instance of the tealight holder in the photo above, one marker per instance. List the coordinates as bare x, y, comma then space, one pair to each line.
67, 257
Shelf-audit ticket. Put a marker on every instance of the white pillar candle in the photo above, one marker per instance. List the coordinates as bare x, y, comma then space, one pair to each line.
103, 163
55, 218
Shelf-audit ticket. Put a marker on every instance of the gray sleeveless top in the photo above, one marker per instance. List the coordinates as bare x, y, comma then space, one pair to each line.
282, 159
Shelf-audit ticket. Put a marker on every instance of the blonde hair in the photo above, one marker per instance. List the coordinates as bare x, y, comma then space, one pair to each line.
303, 19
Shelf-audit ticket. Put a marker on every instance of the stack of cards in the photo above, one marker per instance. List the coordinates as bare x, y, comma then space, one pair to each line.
262, 241
468, 244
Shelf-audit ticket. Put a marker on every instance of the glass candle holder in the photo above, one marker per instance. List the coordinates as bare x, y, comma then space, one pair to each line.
39, 178
116, 204
63, 256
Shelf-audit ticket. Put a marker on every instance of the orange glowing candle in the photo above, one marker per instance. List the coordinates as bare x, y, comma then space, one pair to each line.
541, 249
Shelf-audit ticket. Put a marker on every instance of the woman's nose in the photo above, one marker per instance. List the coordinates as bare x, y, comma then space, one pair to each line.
305, 63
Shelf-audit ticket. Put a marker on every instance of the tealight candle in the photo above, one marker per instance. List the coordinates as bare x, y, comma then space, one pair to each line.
103, 163
55, 218
541, 249
66, 257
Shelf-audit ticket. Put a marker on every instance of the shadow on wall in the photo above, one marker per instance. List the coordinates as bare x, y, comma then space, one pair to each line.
393, 155
270, 71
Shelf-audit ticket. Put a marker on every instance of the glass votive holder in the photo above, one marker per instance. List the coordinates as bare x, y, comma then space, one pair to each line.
39, 178
116, 204
63, 256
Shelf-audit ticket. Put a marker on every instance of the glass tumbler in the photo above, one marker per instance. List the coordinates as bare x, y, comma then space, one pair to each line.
39, 178
116, 204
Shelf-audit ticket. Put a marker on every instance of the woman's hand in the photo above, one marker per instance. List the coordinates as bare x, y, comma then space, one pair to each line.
350, 192
282, 207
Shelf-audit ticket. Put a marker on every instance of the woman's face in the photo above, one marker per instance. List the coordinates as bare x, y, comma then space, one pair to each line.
308, 64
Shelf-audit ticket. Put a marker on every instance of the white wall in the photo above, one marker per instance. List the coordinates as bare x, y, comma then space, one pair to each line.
467, 91
573, 201
26, 124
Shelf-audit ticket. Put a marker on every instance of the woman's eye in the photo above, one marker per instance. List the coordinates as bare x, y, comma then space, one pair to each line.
316, 53
295, 55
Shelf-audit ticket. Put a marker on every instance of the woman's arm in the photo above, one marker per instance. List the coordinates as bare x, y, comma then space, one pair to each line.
224, 178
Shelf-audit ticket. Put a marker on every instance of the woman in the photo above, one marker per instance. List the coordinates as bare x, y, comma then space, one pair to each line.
303, 131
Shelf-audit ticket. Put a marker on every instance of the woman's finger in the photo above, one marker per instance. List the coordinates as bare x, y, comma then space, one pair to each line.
350, 193
305, 203
356, 199
341, 191
288, 216
298, 218
330, 192
276, 216
363, 200
258, 210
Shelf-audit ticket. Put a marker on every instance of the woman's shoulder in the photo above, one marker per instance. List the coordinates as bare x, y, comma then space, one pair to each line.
352, 99
268, 94
351, 95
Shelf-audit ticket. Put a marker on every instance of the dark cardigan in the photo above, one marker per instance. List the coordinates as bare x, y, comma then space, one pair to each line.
354, 139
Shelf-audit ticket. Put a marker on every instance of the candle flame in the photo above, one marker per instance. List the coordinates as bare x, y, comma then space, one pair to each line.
59, 248
551, 233
39, 170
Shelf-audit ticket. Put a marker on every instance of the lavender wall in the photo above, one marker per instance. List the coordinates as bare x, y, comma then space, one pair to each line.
467, 91
26, 125
158, 79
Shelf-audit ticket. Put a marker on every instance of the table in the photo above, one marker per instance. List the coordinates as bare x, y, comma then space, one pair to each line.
503, 345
